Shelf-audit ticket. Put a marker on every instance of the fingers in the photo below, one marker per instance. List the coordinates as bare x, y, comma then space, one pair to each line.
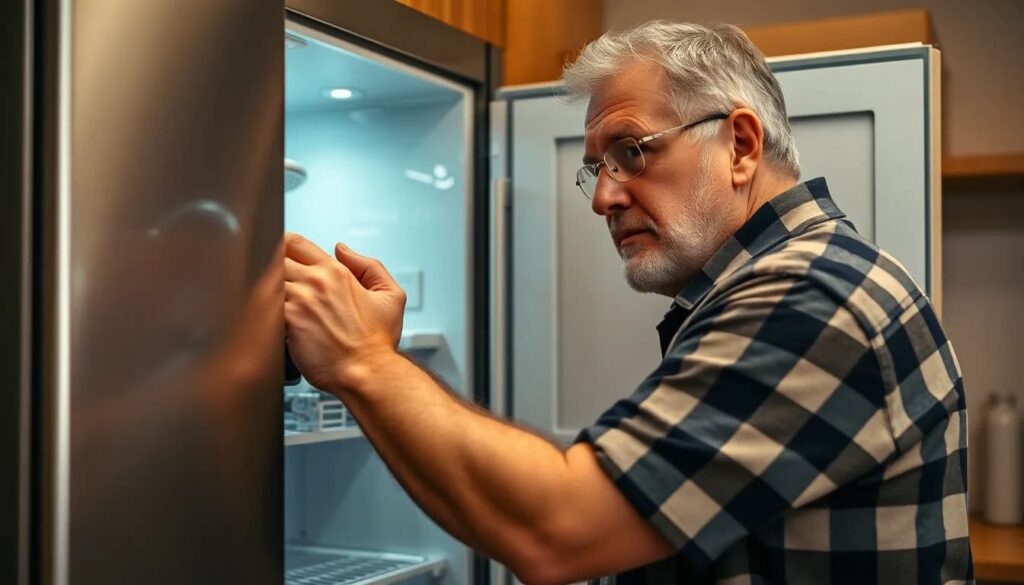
302, 250
294, 271
292, 292
370, 272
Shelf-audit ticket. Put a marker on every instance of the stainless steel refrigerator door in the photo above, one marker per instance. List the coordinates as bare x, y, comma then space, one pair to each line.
16, 289
164, 363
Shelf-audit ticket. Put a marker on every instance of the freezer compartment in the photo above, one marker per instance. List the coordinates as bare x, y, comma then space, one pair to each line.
340, 496
331, 566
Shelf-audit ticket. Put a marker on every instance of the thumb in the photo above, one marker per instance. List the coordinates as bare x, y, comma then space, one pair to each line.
369, 272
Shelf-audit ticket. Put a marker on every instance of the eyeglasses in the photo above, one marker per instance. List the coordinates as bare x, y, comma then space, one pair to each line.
624, 159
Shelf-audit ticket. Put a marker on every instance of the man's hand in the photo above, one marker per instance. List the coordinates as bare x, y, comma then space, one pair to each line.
339, 312
552, 516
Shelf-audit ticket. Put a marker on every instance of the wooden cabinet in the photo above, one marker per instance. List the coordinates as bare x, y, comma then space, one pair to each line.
984, 171
481, 18
543, 35
538, 36
998, 551
843, 33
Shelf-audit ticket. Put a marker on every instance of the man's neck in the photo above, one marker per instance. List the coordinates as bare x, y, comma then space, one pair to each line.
767, 185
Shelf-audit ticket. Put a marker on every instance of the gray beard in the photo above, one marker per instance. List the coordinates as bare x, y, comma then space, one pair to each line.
684, 247
660, 273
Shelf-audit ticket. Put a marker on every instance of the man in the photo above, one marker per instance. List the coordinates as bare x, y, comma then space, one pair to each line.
807, 423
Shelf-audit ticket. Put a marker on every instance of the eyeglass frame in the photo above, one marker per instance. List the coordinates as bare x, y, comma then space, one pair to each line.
595, 168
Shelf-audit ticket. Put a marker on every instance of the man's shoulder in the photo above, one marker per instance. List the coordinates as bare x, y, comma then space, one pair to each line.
848, 267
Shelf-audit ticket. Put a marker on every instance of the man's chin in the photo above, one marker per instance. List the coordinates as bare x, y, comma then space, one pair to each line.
633, 252
645, 275
642, 277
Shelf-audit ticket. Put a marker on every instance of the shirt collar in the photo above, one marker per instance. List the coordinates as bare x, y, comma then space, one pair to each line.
783, 217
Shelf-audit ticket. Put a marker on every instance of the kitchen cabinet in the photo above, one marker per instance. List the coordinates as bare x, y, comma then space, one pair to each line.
998, 551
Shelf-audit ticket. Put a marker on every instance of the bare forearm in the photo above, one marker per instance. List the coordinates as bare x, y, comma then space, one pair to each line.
485, 481
553, 517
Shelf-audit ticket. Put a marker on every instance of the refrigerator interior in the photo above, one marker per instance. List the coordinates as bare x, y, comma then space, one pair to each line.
378, 156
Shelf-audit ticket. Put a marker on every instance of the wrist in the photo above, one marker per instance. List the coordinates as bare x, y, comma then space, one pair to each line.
356, 373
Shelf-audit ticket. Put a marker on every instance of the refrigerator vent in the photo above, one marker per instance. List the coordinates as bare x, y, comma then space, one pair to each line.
325, 566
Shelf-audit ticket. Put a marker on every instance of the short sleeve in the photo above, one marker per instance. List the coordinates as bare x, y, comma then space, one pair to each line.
770, 398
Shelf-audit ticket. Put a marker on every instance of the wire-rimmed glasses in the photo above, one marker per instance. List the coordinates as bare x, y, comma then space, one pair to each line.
624, 159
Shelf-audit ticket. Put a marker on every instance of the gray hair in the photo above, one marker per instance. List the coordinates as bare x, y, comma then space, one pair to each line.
709, 68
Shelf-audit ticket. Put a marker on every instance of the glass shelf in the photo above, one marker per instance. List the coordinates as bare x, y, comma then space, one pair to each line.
328, 566
317, 417
292, 438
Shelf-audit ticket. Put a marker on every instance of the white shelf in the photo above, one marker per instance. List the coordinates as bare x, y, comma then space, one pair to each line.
293, 438
421, 341
328, 566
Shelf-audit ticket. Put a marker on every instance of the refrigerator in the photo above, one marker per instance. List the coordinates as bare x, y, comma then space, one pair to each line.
154, 153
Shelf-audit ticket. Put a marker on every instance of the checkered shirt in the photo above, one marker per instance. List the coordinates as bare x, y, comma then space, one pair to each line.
808, 422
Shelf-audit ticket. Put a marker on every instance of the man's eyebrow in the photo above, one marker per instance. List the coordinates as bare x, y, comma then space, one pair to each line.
625, 130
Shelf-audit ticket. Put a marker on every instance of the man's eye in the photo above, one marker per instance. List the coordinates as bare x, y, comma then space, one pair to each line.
631, 151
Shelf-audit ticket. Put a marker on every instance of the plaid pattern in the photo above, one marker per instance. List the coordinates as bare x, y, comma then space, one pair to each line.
808, 421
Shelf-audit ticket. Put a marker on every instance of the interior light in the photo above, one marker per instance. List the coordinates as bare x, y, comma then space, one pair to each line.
341, 93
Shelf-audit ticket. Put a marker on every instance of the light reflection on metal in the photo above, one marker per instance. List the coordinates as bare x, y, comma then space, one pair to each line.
198, 209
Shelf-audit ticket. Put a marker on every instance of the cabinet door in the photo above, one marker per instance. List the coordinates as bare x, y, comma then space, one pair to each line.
580, 338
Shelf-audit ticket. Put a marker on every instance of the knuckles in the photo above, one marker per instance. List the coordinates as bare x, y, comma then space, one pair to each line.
326, 276
318, 281
301, 297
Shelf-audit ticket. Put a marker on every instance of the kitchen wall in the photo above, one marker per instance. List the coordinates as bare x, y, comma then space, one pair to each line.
983, 233
983, 237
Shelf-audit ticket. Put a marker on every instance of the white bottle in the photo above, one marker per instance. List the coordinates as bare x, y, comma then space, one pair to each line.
1004, 498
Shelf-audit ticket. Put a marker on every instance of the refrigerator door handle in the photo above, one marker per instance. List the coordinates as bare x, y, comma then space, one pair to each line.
500, 209
499, 289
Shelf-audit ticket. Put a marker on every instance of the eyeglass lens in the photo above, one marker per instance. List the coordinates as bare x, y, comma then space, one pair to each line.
623, 160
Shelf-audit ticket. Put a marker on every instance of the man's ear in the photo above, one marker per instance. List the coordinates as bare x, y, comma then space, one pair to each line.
747, 145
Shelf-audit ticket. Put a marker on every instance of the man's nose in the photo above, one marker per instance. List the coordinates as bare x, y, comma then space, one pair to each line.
610, 195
